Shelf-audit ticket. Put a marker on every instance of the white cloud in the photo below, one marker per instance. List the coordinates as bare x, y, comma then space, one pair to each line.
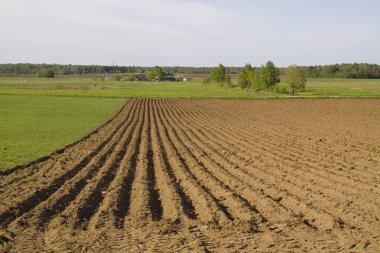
187, 32
152, 28
166, 16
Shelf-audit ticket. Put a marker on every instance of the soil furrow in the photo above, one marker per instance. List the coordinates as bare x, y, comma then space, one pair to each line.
299, 153
189, 164
196, 175
63, 201
139, 209
205, 206
293, 199
221, 192
154, 198
276, 132
224, 170
269, 159
104, 217
60, 163
93, 201
123, 201
85, 204
237, 203
299, 183
44, 193
169, 186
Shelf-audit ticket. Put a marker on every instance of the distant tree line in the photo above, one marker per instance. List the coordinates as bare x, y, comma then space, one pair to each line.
355, 70
30, 69
58, 69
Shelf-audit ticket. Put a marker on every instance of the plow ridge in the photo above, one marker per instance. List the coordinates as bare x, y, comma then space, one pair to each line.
43, 194
186, 202
62, 202
213, 163
154, 198
62, 150
181, 175
220, 205
292, 181
236, 200
92, 203
124, 195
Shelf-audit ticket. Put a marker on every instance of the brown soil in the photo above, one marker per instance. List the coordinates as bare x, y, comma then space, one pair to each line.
206, 175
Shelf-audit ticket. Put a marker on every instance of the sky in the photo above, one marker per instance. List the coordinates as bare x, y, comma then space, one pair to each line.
189, 32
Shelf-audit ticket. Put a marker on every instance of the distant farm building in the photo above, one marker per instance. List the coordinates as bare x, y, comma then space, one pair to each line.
187, 79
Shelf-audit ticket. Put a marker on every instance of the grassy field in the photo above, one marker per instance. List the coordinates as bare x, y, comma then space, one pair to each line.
39, 116
96, 87
343, 83
342, 88
88, 87
34, 126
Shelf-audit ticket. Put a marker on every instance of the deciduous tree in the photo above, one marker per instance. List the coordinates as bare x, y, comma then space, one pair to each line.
219, 75
248, 78
295, 78
270, 75
155, 73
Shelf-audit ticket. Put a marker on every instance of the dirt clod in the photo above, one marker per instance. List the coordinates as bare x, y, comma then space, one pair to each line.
183, 175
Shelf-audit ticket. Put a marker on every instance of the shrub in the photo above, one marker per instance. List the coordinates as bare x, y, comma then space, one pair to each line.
45, 74
280, 89
117, 77
178, 78
206, 80
130, 77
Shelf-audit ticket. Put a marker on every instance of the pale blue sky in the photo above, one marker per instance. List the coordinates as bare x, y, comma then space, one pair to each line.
190, 33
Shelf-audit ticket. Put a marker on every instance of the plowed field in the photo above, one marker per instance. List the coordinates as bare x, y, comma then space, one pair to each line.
204, 176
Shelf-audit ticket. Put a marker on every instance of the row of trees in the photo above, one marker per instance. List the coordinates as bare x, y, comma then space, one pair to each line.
31, 69
268, 77
356, 70
261, 79
265, 78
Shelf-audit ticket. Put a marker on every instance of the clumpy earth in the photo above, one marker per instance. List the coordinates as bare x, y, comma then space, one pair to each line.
180, 175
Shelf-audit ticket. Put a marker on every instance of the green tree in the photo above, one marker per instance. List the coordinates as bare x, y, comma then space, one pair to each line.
248, 78
270, 75
219, 75
295, 78
156, 73
149, 76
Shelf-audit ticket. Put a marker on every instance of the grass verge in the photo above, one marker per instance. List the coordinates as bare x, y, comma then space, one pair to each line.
35, 126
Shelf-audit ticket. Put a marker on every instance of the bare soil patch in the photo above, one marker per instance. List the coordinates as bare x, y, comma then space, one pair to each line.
171, 175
